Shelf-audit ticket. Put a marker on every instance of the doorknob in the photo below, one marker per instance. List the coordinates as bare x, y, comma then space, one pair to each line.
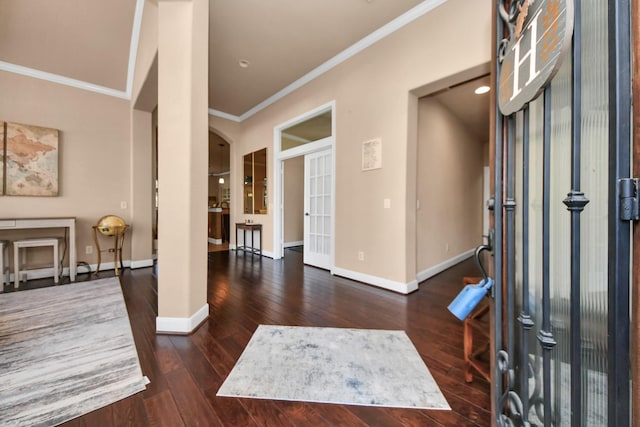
306, 214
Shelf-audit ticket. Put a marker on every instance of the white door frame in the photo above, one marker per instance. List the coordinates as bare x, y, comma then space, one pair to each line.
278, 169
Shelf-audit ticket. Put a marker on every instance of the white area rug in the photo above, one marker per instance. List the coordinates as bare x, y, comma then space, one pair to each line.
333, 365
65, 351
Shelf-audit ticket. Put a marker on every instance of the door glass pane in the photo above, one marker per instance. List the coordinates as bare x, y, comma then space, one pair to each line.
519, 182
595, 142
559, 244
311, 130
536, 109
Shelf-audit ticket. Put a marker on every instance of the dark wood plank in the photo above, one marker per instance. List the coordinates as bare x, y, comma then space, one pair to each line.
266, 413
229, 410
300, 414
162, 410
187, 371
194, 408
130, 412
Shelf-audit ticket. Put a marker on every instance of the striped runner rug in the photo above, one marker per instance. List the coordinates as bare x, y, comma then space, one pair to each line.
65, 351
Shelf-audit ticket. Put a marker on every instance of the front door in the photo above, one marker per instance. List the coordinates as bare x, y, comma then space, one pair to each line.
563, 207
318, 244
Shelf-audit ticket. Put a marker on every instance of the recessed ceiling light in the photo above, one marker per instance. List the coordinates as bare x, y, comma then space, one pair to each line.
243, 63
482, 89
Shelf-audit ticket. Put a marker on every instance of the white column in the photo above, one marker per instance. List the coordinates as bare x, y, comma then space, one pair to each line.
182, 164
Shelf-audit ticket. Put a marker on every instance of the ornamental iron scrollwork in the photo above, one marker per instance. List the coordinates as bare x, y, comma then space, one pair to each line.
517, 12
510, 401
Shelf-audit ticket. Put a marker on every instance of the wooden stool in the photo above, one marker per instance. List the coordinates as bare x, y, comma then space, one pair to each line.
4, 261
477, 322
54, 242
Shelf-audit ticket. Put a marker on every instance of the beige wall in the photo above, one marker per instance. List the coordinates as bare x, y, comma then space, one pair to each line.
94, 157
141, 203
373, 100
293, 200
147, 47
450, 162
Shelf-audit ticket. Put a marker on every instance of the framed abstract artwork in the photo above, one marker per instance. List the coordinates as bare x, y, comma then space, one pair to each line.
30, 160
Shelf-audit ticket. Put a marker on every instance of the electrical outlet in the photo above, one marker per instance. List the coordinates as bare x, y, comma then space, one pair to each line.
360, 256
88, 250
123, 205
387, 203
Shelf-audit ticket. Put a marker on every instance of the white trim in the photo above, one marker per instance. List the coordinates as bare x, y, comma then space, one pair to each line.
224, 115
294, 244
312, 147
279, 156
56, 78
379, 34
133, 47
391, 285
141, 263
296, 138
439, 268
181, 325
214, 241
80, 84
46, 272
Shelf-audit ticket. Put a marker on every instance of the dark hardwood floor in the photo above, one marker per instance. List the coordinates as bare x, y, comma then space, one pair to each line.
244, 291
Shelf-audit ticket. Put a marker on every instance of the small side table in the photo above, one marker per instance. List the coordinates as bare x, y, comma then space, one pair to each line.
251, 228
476, 322
118, 235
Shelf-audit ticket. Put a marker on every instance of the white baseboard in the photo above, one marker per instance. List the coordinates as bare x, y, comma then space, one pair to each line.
181, 325
439, 268
214, 241
142, 263
294, 244
403, 288
43, 273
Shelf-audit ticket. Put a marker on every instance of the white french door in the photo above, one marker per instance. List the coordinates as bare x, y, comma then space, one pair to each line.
318, 169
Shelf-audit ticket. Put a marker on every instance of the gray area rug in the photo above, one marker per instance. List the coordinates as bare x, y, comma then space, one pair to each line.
334, 365
65, 351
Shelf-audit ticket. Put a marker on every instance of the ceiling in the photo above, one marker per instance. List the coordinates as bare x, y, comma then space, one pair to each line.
91, 43
469, 108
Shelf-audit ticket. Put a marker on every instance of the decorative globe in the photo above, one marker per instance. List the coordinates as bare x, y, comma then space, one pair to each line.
110, 225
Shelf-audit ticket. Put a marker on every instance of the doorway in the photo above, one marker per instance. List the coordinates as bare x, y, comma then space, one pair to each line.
309, 136
219, 196
452, 152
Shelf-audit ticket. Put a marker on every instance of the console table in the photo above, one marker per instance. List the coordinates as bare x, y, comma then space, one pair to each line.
70, 223
251, 227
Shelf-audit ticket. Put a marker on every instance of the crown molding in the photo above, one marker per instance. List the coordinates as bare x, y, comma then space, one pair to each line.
394, 25
224, 115
133, 48
80, 84
56, 78
382, 32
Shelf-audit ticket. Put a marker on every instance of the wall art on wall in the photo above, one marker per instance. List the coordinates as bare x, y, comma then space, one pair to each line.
31, 160
372, 154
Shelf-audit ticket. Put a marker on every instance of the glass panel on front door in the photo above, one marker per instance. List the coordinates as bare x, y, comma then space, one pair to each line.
565, 248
